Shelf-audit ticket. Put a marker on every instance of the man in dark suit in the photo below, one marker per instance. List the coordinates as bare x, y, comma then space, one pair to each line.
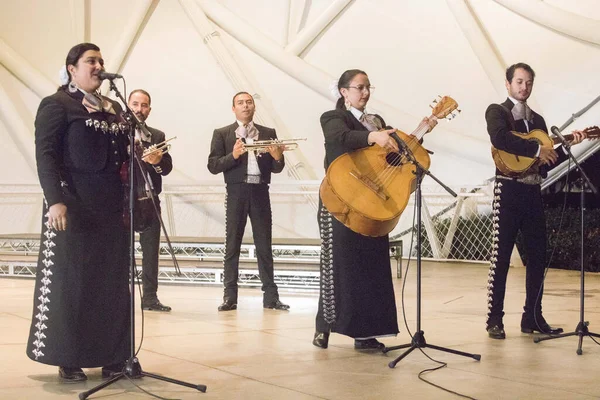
517, 204
157, 165
247, 176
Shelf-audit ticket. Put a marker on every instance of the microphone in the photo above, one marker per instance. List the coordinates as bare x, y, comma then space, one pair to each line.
108, 75
559, 135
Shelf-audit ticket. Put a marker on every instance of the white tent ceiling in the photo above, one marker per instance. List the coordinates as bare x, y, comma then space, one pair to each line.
193, 55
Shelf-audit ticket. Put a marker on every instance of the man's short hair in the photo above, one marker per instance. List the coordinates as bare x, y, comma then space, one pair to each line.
510, 71
142, 91
237, 94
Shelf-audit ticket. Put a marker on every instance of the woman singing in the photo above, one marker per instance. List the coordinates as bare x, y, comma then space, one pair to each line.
81, 312
357, 294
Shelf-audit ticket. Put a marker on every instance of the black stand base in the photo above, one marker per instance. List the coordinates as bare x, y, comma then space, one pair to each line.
418, 342
133, 370
581, 331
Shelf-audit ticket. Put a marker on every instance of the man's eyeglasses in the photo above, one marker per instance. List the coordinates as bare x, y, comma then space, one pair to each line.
363, 88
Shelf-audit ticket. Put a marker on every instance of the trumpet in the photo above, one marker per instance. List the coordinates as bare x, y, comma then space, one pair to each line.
262, 146
155, 148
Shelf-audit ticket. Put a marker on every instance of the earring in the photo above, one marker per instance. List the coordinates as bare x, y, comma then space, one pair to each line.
347, 104
72, 87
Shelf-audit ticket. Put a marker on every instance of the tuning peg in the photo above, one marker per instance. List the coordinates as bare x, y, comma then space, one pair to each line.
459, 111
430, 106
435, 101
439, 96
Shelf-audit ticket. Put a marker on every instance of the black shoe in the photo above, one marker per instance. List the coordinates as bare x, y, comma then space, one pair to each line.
496, 332
155, 306
71, 375
530, 325
368, 344
228, 306
321, 339
111, 370
277, 305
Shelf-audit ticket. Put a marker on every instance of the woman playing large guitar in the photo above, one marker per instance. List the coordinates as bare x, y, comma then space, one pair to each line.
357, 296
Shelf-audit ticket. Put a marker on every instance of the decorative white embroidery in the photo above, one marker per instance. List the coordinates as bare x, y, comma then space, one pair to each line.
327, 282
44, 288
495, 239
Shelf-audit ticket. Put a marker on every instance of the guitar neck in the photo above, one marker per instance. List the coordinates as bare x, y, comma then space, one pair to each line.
568, 137
422, 129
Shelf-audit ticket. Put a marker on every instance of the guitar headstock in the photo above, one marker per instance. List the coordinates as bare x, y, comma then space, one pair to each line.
593, 132
444, 107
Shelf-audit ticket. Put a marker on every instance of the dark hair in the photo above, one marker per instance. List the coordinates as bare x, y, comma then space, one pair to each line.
76, 53
343, 82
510, 71
237, 94
142, 91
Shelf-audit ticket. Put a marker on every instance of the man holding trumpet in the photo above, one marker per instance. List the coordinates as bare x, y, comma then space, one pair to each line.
247, 177
158, 163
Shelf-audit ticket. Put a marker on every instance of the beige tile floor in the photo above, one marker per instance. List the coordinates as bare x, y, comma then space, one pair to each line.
253, 353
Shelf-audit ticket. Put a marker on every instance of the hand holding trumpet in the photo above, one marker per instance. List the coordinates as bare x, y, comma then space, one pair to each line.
153, 158
154, 154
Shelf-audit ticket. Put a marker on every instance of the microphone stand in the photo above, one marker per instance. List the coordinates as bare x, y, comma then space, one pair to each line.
418, 339
582, 327
133, 369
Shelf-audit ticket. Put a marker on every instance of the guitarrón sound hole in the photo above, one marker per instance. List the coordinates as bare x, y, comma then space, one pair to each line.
394, 159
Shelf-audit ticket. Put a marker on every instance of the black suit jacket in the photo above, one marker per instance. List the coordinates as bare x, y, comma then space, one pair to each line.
500, 124
69, 139
164, 167
343, 133
221, 158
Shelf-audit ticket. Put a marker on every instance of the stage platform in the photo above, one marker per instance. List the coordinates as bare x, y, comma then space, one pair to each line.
257, 354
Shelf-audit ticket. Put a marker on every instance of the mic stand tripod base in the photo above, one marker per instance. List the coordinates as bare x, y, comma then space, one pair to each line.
582, 327
418, 342
581, 331
133, 370
418, 339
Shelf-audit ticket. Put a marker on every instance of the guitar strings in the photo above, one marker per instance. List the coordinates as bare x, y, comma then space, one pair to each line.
384, 174
395, 163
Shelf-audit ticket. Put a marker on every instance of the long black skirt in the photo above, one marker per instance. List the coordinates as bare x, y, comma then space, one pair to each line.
81, 299
357, 294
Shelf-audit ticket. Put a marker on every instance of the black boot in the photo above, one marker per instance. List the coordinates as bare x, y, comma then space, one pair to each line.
321, 339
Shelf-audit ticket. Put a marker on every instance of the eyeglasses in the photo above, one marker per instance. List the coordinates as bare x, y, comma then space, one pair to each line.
363, 88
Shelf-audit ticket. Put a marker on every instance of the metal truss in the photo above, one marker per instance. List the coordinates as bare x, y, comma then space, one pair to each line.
308, 254
16, 260
17, 269
298, 270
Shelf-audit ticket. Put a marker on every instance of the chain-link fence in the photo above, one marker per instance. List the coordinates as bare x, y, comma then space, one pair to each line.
452, 228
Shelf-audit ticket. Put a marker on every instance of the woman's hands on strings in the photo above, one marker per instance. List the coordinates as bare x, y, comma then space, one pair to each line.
383, 139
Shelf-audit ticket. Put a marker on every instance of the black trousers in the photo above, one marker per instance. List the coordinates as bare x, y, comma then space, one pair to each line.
245, 200
517, 207
150, 242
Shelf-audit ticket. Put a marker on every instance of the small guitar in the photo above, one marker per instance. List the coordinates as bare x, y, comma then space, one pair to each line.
514, 165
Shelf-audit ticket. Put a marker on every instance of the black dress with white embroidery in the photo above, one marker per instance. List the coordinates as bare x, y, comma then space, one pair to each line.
357, 293
81, 298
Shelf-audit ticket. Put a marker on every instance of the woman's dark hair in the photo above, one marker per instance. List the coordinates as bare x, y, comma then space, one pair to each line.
343, 82
75, 54
510, 71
